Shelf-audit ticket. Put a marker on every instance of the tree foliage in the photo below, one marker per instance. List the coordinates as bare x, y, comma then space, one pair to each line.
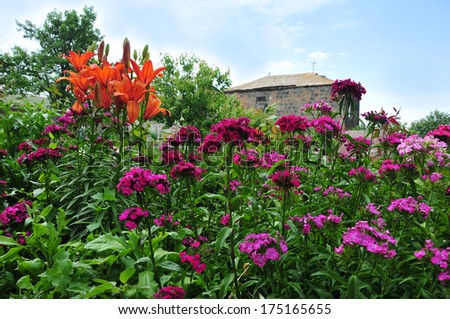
430, 122
23, 72
193, 90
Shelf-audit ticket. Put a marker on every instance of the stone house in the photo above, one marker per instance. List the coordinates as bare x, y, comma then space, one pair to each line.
288, 92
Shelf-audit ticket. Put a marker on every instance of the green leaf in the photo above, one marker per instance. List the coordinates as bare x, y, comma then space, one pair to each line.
104, 287
93, 226
221, 237
25, 283
146, 283
8, 241
224, 285
11, 254
353, 288
105, 242
38, 191
170, 265
126, 274
33, 267
109, 194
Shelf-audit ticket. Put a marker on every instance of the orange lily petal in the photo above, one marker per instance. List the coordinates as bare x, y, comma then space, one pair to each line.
77, 107
133, 110
79, 61
153, 108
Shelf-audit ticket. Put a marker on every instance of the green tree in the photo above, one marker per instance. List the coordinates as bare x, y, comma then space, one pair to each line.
23, 72
429, 122
193, 91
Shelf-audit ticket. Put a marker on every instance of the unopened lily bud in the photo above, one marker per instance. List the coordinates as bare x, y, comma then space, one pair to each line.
135, 55
100, 51
126, 53
98, 94
107, 50
145, 53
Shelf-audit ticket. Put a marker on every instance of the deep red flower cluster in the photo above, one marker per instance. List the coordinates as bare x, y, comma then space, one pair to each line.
186, 135
136, 179
358, 145
237, 131
347, 87
292, 123
170, 292
56, 129
171, 156
15, 214
286, 179
185, 169
40, 155
3, 153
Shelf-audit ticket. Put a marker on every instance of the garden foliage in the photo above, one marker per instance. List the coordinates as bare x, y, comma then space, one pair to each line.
96, 203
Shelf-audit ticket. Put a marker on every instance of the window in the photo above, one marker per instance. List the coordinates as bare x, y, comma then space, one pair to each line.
261, 102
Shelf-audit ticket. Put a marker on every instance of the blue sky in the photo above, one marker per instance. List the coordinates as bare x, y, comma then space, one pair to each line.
398, 49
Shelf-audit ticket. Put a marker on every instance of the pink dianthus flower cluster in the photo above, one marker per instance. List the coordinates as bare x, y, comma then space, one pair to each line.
374, 239
249, 157
322, 107
442, 133
363, 174
325, 124
409, 205
263, 247
132, 216
439, 257
136, 179
319, 221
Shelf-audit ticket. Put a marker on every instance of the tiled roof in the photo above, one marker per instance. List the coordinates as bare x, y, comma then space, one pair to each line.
287, 80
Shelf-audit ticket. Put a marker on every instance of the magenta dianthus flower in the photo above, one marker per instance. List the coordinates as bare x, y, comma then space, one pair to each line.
170, 292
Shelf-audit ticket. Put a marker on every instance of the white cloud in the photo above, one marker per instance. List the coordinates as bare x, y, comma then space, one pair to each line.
319, 56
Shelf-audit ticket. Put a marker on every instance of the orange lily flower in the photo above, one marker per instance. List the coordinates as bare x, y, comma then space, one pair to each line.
79, 61
106, 73
147, 74
80, 84
153, 107
131, 93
